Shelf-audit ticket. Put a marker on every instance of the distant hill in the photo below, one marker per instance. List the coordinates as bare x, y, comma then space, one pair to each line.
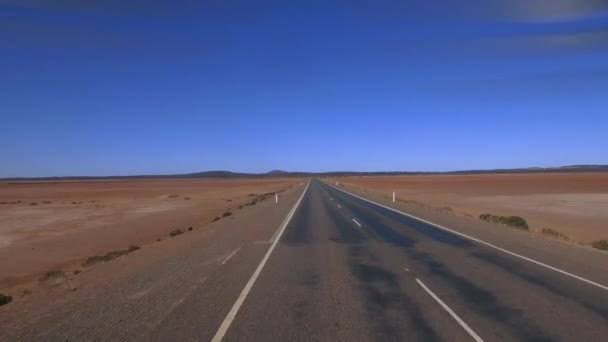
281, 173
277, 172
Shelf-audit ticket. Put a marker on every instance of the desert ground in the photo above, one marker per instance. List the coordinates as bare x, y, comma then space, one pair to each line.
573, 204
56, 225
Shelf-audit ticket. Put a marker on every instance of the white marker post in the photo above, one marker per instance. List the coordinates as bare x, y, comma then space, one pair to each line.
276, 197
393, 197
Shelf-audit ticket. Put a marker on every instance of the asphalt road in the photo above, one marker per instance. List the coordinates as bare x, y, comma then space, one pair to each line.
349, 270
324, 265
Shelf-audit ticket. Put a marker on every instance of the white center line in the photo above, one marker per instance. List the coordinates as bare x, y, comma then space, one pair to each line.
230, 255
339, 206
357, 223
451, 312
219, 335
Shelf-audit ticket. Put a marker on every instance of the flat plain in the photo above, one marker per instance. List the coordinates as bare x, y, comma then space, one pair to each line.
47, 226
572, 204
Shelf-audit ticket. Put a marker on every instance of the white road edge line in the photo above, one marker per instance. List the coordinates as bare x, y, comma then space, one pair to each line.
339, 206
405, 268
230, 255
219, 335
357, 223
591, 282
451, 312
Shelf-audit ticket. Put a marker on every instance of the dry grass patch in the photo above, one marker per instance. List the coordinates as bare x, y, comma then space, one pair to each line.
554, 234
95, 259
511, 221
176, 232
600, 244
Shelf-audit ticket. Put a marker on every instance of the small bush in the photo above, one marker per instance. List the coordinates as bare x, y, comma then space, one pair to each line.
240, 206
33, 203
95, 259
186, 198
173, 196
554, 233
5, 299
600, 244
228, 200
54, 274
92, 260
47, 202
226, 214
175, 232
217, 218
133, 248
115, 254
76, 272
515, 221
189, 229
512, 221
251, 195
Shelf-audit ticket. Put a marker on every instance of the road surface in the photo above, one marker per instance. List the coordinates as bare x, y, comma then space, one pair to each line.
339, 268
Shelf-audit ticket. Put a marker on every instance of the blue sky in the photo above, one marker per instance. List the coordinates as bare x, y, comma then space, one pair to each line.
130, 87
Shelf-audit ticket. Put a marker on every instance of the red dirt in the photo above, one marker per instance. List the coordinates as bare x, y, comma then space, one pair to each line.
85, 218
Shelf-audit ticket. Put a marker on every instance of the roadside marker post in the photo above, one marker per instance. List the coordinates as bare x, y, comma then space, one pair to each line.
276, 197
393, 197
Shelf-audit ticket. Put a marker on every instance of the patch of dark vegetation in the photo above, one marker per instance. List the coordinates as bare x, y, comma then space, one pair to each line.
600, 244
76, 202
186, 198
5, 299
115, 254
251, 195
217, 218
159, 240
189, 229
240, 206
92, 260
3, 202
260, 198
95, 259
133, 248
33, 203
173, 196
54, 274
228, 200
554, 234
226, 214
76, 272
47, 202
54, 278
511, 221
175, 232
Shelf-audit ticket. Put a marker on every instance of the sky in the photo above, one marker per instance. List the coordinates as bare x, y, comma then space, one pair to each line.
119, 87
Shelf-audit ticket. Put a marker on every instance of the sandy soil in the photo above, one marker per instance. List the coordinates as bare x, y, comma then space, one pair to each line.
574, 204
56, 225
